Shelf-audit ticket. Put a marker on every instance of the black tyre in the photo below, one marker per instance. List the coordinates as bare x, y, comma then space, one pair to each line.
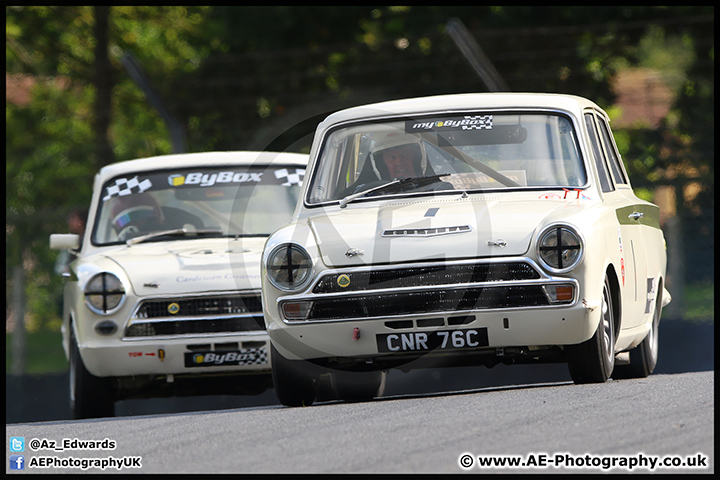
90, 396
643, 358
593, 360
358, 386
293, 380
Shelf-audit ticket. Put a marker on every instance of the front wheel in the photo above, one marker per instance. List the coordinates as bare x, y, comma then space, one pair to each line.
90, 396
293, 380
643, 358
593, 360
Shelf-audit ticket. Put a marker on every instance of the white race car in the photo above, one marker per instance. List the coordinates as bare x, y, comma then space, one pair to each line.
464, 229
163, 295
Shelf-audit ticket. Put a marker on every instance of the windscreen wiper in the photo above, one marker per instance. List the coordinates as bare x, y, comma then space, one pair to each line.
471, 161
177, 231
398, 183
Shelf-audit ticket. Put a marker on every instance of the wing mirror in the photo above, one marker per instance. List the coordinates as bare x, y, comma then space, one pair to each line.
64, 241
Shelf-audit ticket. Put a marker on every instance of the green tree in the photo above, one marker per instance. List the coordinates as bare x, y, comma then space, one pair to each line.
56, 141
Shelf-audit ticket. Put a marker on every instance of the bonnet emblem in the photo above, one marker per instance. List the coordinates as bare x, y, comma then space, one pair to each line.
497, 243
353, 252
426, 232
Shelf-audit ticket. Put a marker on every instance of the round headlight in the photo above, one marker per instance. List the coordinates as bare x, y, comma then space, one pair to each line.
560, 248
104, 293
289, 267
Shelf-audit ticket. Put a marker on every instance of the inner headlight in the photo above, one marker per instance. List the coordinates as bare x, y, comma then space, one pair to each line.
104, 293
289, 267
560, 248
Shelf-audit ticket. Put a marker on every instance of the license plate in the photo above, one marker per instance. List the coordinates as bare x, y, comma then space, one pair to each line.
434, 340
248, 356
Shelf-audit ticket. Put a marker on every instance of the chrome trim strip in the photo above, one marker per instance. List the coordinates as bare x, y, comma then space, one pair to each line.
423, 288
184, 337
142, 321
399, 266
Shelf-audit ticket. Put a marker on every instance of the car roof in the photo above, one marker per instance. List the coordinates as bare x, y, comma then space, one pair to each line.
463, 101
203, 159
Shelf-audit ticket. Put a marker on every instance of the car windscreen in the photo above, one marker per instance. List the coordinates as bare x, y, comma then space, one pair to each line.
469, 152
219, 201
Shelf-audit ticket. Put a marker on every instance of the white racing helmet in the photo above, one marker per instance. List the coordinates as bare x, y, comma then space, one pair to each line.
391, 140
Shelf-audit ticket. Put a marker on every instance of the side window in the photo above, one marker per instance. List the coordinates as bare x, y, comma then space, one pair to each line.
599, 155
613, 157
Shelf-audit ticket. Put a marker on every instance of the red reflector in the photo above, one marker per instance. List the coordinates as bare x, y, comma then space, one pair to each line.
356, 334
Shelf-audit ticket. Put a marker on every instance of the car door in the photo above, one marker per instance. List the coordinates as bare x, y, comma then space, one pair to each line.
641, 216
629, 211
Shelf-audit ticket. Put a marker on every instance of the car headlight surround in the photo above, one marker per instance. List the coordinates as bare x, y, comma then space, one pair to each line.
289, 267
104, 293
560, 248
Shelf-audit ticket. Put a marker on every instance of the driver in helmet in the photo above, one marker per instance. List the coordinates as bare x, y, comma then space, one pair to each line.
134, 214
398, 155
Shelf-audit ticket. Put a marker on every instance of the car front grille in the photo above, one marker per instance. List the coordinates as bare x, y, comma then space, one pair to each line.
200, 315
435, 301
198, 307
421, 289
426, 276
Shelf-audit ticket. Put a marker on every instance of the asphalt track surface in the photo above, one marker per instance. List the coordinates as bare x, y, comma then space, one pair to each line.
551, 427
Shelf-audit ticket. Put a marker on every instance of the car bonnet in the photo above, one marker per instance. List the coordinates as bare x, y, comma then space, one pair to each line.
452, 228
186, 267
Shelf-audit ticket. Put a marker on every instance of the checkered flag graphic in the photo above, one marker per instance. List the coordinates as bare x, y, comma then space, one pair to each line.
480, 122
261, 356
292, 178
123, 187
